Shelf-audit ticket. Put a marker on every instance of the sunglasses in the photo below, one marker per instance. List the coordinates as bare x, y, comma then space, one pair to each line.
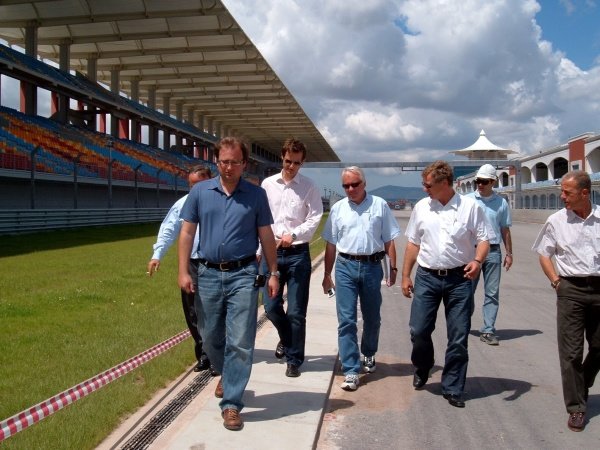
484, 181
427, 185
289, 162
349, 185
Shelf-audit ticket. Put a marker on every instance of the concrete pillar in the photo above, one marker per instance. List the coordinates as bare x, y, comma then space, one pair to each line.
64, 65
28, 90
167, 111
92, 74
152, 131
114, 88
136, 126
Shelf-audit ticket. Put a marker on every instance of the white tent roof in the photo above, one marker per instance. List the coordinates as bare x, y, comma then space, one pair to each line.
483, 148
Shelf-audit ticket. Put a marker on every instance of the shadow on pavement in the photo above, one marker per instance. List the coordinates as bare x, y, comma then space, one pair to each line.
507, 335
280, 404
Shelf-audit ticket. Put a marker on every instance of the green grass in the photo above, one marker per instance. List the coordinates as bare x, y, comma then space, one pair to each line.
73, 304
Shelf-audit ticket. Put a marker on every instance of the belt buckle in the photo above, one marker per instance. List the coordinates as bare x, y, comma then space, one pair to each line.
223, 266
442, 272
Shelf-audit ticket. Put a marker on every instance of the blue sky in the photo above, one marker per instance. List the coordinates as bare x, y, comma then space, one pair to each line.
412, 80
573, 27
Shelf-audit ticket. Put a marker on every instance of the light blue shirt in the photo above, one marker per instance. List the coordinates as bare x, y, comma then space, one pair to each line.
497, 212
169, 231
361, 229
227, 224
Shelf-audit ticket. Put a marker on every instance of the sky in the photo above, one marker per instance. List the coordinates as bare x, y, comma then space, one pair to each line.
411, 80
391, 80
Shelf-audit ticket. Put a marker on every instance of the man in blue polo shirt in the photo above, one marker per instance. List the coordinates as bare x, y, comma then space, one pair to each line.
231, 215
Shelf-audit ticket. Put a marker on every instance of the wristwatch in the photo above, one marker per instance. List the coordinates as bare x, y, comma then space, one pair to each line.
275, 274
555, 283
294, 237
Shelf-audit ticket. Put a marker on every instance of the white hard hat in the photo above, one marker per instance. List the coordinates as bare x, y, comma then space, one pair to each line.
487, 171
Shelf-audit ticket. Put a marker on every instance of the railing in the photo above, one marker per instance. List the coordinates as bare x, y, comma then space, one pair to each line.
20, 221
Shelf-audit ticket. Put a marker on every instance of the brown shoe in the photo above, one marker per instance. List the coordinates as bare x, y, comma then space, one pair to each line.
576, 421
219, 389
232, 419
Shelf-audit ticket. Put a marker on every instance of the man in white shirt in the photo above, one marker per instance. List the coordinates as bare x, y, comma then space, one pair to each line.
498, 213
448, 236
362, 228
297, 208
572, 237
167, 234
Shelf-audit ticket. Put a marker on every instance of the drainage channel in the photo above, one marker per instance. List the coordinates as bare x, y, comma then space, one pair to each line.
167, 415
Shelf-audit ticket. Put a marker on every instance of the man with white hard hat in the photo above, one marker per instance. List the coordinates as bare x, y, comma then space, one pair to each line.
498, 213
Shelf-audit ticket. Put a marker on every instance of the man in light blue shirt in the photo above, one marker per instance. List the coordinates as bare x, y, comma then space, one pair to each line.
167, 235
362, 228
497, 212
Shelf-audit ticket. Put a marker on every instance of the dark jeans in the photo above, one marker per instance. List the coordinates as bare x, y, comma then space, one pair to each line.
457, 294
578, 315
294, 265
189, 311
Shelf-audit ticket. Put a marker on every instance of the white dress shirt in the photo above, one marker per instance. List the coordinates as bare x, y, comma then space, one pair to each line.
169, 231
574, 242
296, 206
447, 234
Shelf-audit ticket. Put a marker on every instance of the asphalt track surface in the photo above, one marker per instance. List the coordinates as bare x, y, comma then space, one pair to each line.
513, 391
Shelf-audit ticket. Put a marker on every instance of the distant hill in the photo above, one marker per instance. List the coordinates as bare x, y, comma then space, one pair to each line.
391, 193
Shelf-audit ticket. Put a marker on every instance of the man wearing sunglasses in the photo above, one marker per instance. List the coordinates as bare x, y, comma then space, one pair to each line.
498, 213
362, 229
297, 208
448, 237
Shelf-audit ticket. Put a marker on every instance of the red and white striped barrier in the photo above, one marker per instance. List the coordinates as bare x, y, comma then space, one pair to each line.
28, 417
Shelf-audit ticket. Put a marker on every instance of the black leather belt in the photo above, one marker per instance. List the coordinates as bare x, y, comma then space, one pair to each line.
375, 257
445, 272
228, 265
294, 248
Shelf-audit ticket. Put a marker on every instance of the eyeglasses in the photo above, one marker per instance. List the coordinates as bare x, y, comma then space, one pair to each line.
230, 162
354, 185
427, 185
482, 181
289, 162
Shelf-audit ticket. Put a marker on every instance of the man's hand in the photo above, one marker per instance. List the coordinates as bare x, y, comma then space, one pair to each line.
472, 270
153, 266
392, 279
185, 283
508, 260
407, 287
327, 283
285, 241
273, 286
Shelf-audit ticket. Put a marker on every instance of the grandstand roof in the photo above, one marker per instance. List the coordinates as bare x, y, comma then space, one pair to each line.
192, 51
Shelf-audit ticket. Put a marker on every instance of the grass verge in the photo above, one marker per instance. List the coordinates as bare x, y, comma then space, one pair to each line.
75, 303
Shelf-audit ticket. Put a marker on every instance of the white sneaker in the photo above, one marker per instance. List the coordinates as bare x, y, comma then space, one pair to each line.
350, 382
369, 364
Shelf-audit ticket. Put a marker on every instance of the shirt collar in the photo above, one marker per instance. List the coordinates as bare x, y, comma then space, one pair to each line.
280, 179
453, 203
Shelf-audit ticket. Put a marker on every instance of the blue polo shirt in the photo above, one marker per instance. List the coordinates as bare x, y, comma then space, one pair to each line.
227, 225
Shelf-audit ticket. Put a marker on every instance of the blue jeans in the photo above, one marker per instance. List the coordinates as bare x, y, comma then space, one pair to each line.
491, 270
356, 279
294, 266
457, 294
227, 305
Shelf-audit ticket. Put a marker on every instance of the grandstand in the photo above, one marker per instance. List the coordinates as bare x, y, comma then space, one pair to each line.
99, 146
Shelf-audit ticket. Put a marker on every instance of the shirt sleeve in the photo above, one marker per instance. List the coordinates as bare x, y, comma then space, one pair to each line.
391, 229
412, 233
328, 232
305, 231
545, 243
168, 232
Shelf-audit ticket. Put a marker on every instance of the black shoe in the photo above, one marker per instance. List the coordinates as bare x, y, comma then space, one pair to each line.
419, 379
455, 400
214, 372
292, 371
279, 351
203, 364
